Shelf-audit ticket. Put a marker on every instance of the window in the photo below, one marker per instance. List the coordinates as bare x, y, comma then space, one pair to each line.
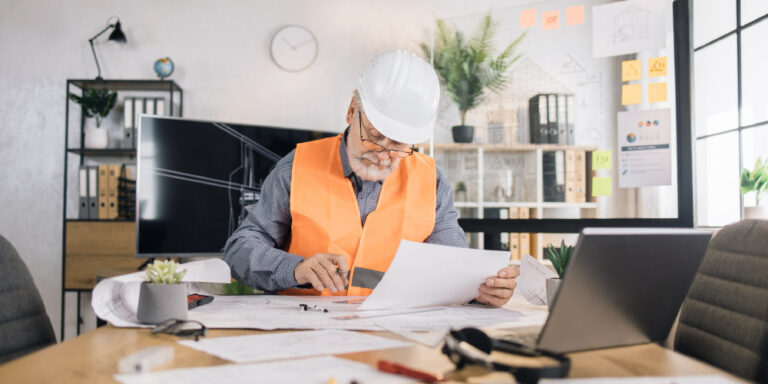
730, 102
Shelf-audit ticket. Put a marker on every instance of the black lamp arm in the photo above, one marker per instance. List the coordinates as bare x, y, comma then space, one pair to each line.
90, 41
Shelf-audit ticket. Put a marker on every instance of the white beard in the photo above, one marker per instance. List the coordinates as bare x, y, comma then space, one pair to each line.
379, 170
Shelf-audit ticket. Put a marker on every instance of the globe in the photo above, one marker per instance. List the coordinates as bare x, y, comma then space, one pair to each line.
164, 67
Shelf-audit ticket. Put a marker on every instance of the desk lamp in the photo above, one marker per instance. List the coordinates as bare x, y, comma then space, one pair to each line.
117, 36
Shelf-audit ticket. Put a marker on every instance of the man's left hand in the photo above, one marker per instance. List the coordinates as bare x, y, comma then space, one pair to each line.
497, 290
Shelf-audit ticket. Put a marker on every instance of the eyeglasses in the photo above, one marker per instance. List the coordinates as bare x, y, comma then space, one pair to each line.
184, 328
378, 148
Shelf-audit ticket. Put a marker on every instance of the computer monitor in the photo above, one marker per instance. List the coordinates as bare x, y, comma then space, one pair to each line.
194, 177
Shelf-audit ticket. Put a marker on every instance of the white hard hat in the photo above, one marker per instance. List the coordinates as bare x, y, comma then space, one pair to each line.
400, 94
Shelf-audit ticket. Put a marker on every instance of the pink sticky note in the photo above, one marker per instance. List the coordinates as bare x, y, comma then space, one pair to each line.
550, 20
574, 15
528, 18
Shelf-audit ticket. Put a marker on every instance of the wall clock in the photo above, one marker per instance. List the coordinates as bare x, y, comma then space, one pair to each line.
293, 48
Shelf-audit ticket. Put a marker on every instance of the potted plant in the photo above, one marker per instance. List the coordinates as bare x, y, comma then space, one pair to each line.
559, 258
96, 104
163, 296
461, 191
755, 181
467, 67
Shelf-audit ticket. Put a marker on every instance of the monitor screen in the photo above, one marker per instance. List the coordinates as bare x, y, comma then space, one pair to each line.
194, 177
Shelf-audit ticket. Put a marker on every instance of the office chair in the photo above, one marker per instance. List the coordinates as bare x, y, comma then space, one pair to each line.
24, 324
724, 317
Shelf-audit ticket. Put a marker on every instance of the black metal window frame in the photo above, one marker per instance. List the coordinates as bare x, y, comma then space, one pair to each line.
685, 211
739, 128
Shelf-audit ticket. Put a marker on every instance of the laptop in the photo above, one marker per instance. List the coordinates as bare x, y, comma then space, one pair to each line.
623, 286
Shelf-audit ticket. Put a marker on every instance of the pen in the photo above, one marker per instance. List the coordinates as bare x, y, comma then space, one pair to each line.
389, 367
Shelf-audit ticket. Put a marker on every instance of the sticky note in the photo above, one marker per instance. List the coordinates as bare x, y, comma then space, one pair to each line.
550, 20
657, 92
574, 15
631, 94
602, 186
528, 18
631, 70
657, 66
601, 160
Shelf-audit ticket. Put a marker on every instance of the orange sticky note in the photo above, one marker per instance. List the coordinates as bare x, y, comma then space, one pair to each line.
631, 94
657, 92
550, 20
631, 70
657, 66
528, 18
574, 15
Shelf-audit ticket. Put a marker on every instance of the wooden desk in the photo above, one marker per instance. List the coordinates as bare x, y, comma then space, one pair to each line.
93, 357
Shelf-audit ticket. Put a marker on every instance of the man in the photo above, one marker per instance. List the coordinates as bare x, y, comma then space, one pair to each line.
339, 207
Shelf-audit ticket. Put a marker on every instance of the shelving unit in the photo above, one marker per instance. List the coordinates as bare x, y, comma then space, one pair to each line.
531, 192
91, 248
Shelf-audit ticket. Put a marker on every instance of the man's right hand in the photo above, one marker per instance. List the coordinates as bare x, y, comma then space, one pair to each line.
323, 270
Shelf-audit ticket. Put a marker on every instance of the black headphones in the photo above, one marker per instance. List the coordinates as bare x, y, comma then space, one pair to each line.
473, 346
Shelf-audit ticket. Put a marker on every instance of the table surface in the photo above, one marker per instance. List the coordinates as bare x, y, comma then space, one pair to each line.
93, 356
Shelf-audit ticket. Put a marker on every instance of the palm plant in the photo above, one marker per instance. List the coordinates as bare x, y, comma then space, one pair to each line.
467, 66
560, 257
755, 180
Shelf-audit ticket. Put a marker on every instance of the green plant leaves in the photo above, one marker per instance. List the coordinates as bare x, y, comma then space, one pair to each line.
467, 66
755, 180
559, 257
96, 103
164, 272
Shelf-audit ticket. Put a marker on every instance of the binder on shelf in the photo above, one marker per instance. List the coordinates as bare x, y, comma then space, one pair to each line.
514, 237
495, 240
570, 176
103, 187
126, 194
589, 175
138, 109
570, 118
552, 120
113, 172
538, 118
93, 192
562, 120
160, 107
580, 172
553, 172
128, 117
83, 211
525, 238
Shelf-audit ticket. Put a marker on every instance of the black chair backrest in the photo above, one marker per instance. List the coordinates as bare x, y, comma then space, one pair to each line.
24, 324
724, 318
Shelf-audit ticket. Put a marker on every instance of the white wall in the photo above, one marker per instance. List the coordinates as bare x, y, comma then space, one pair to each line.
220, 49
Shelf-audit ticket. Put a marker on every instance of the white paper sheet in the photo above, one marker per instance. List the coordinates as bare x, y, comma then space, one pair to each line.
531, 283
116, 299
313, 370
282, 312
429, 274
276, 346
708, 379
626, 27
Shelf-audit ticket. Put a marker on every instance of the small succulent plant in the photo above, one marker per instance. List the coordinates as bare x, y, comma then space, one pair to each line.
164, 272
559, 257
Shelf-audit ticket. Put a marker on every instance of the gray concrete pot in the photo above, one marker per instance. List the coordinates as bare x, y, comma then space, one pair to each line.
161, 302
552, 286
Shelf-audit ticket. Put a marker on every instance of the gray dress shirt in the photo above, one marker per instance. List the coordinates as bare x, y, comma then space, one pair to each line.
255, 250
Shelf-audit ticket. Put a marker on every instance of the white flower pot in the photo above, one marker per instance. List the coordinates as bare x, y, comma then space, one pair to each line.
759, 213
95, 138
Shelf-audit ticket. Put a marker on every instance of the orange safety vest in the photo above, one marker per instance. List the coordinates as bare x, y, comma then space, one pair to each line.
325, 217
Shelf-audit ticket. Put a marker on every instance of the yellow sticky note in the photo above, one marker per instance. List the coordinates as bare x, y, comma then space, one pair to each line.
631, 70
601, 160
528, 18
550, 20
602, 186
657, 66
574, 15
631, 94
657, 92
